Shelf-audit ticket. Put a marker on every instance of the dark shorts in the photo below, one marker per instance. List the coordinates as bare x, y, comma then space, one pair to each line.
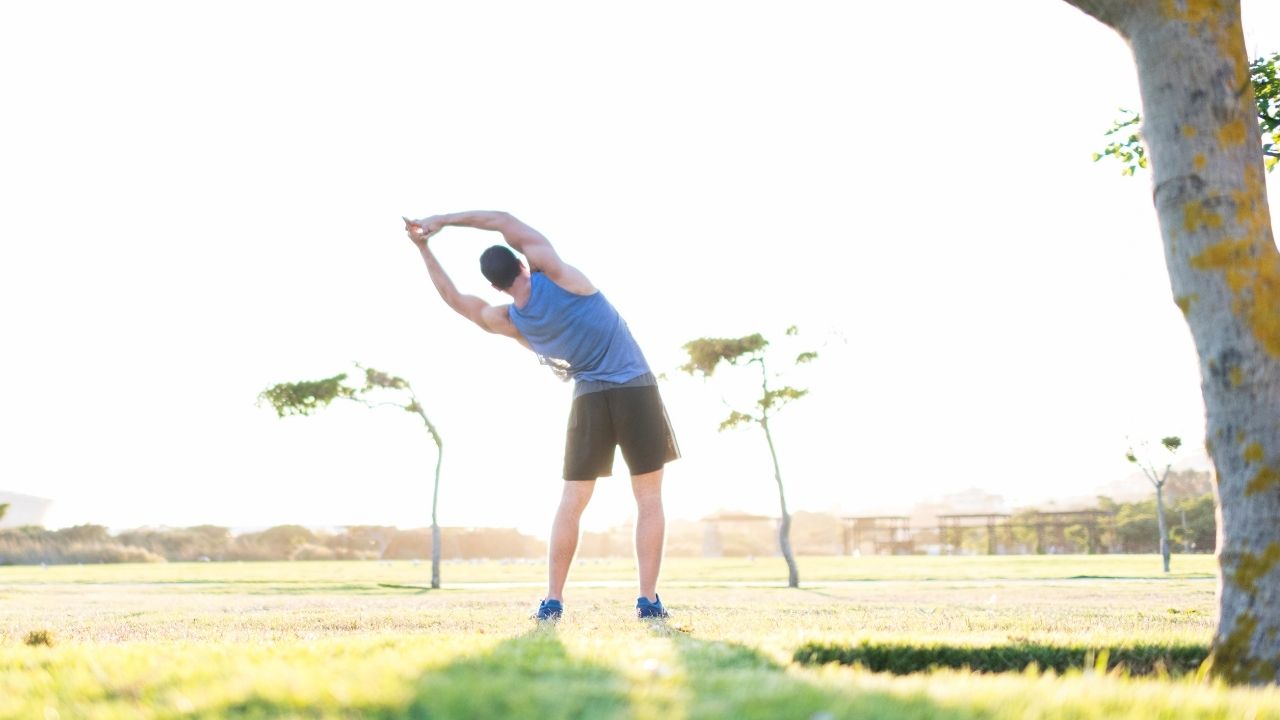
631, 417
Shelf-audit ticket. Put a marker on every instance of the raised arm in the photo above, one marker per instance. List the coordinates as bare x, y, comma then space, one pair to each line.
489, 317
524, 239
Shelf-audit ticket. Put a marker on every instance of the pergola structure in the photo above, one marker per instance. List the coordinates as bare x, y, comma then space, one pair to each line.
951, 527
954, 525
888, 534
1093, 521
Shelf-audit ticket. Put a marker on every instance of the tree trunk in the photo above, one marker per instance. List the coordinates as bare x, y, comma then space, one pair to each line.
784, 527
1203, 141
435, 498
435, 526
1164, 528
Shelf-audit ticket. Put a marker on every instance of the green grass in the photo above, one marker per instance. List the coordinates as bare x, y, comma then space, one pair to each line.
348, 640
769, 570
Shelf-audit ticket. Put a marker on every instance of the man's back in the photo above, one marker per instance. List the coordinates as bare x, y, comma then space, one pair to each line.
583, 336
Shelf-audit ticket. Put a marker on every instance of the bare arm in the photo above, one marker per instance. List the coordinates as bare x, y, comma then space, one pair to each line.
524, 239
491, 318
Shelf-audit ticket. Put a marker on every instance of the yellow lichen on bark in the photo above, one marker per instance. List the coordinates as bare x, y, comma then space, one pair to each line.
1231, 657
1196, 216
1198, 161
1253, 453
1192, 12
1266, 477
1252, 567
1223, 26
1231, 134
1249, 262
1252, 271
1184, 302
1189, 131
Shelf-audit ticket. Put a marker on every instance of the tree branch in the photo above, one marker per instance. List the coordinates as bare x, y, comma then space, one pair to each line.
1111, 13
376, 405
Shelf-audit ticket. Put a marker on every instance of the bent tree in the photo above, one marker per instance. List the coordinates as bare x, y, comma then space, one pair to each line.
1202, 136
379, 390
1148, 465
705, 355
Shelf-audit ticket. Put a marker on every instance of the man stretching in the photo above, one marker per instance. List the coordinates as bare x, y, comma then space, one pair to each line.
558, 314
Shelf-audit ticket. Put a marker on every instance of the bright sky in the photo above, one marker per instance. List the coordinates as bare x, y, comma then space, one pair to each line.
203, 200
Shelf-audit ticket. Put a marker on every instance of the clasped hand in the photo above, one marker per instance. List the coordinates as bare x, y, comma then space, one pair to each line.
420, 230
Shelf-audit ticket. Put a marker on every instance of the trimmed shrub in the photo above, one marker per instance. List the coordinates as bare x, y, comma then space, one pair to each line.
108, 552
905, 659
16, 550
39, 637
311, 551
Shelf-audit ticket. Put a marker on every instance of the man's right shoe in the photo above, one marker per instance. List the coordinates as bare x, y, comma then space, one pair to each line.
549, 610
646, 609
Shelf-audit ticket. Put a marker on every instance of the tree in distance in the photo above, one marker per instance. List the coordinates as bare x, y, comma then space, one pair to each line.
4, 508
1263, 73
705, 355
1200, 125
379, 390
1148, 465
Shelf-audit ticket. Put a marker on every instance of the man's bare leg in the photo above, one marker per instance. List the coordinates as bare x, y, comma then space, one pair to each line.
564, 534
651, 526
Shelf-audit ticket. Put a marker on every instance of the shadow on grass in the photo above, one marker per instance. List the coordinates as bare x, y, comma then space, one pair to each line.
903, 659
528, 676
729, 680
533, 676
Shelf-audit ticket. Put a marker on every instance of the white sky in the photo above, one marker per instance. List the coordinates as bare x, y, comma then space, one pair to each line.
202, 200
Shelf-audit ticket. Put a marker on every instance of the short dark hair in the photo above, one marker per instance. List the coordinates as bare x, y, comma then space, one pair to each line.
499, 266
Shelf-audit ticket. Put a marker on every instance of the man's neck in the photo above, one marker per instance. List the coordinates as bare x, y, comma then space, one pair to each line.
520, 290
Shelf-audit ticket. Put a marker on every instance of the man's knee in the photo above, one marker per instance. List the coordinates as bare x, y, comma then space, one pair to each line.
577, 493
648, 488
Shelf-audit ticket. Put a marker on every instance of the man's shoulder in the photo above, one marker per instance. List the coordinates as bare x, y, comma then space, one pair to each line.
582, 289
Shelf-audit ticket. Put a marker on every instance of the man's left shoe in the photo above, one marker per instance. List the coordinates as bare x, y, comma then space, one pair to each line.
647, 609
549, 610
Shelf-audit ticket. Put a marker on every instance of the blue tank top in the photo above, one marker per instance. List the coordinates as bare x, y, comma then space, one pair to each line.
579, 336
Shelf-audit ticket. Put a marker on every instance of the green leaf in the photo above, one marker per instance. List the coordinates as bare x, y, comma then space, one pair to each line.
376, 379
735, 419
304, 398
705, 354
775, 399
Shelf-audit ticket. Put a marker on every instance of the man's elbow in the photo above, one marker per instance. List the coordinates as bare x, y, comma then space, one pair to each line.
507, 224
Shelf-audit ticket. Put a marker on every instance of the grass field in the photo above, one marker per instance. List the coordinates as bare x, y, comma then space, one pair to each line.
368, 640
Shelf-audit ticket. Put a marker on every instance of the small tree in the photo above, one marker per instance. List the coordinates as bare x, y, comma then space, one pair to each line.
705, 355
1148, 465
4, 508
379, 390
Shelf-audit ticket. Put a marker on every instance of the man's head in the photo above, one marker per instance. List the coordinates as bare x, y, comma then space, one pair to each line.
500, 266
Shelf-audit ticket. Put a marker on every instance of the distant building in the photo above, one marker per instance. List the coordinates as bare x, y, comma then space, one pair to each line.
23, 510
974, 500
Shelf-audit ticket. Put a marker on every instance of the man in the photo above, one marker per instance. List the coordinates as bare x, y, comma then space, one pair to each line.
558, 314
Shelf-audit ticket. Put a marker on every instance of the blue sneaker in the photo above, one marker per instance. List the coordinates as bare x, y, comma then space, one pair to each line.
549, 610
646, 609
